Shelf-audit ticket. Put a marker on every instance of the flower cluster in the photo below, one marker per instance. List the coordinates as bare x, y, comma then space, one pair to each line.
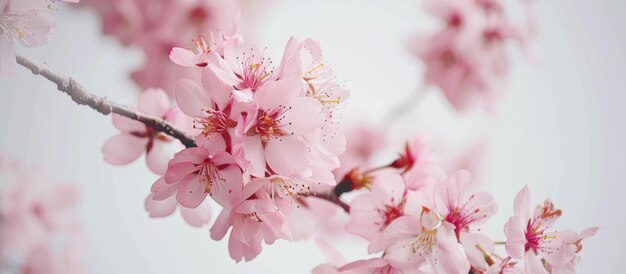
434, 226
266, 137
27, 22
157, 26
34, 216
467, 59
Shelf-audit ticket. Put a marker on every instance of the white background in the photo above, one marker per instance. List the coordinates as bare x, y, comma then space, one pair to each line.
559, 129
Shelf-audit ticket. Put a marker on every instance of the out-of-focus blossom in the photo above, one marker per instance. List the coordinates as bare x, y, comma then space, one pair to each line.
135, 137
34, 214
364, 142
467, 59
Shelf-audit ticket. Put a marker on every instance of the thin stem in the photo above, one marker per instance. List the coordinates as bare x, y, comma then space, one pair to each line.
103, 105
331, 197
404, 106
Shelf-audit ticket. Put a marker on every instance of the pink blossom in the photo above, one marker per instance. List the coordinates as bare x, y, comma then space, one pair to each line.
372, 212
202, 171
198, 54
529, 236
464, 210
135, 137
425, 241
573, 244
25, 21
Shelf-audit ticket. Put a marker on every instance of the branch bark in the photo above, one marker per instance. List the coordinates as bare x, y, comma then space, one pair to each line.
101, 104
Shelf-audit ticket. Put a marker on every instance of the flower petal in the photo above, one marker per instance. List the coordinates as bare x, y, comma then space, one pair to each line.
123, 148
287, 156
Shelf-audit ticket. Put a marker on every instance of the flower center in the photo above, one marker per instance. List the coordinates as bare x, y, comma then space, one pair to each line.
215, 122
268, 125
254, 72
208, 175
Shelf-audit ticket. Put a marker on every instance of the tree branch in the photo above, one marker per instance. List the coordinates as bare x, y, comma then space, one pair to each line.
103, 105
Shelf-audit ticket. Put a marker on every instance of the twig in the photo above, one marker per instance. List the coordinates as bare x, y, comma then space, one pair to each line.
103, 105
331, 197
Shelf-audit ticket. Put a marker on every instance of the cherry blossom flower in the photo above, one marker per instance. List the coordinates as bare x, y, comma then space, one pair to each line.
463, 210
573, 244
202, 171
425, 241
135, 137
529, 236
372, 212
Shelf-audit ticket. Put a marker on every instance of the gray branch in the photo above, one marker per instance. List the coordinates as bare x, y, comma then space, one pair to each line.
103, 105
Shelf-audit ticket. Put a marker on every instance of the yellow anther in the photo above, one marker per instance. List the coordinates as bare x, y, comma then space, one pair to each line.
315, 68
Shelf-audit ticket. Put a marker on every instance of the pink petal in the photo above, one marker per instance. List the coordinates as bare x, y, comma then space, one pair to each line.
198, 216
221, 225
515, 237
192, 98
533, 263
178, 171
127, 125
226, 193
220, 90
521, 205
158, 157
303, 115
191, 193
123, 148
183, 57
153, 102
288, 155
253, 152
275, 93
161, 190
158, 209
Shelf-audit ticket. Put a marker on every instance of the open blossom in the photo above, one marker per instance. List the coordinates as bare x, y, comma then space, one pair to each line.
573, 244
372, 212
467, 59
463, 210
425, 241
530, 238
135, 137
202, 171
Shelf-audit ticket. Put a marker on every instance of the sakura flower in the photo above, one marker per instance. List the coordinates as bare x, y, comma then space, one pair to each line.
303, 60
202, 171
372, 212
529, 236
135, 137
254, 219
425, 241
283, 126
573, 244
243, 66
27, 22
463, 210
207, 105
